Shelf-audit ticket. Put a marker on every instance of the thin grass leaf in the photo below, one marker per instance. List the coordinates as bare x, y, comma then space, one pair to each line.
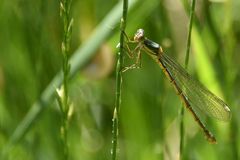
77, 61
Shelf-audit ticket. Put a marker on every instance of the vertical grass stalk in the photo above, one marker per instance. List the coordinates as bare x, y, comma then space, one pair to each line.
80, 57
62, 93
118, 82
186, 66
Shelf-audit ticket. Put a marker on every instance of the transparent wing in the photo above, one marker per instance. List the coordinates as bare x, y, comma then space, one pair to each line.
199, 97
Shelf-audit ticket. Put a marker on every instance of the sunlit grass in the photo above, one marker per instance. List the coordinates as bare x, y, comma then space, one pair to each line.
30, 58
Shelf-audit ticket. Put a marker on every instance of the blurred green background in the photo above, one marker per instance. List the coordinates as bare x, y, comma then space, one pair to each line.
30, 57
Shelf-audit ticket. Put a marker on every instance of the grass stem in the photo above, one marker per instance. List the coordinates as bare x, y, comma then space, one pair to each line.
62, 93
186, 66
80, 57
118, 82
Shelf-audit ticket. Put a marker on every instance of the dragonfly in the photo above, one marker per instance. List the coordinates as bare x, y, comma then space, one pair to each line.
194, 96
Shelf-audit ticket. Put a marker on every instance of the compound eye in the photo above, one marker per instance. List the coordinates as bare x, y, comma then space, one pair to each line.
139, 35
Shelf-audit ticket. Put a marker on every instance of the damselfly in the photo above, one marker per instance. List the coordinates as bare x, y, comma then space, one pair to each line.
194, 95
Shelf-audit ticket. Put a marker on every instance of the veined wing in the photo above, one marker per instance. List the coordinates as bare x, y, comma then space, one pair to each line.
199, 97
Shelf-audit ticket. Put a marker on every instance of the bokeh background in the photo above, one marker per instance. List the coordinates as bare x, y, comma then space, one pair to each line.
30, 57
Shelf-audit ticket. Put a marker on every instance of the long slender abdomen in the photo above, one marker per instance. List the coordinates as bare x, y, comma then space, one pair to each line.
186, 103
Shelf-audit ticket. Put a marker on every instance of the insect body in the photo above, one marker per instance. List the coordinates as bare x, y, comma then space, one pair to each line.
193, 94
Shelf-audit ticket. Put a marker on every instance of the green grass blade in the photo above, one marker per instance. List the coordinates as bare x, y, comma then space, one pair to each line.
77, 61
